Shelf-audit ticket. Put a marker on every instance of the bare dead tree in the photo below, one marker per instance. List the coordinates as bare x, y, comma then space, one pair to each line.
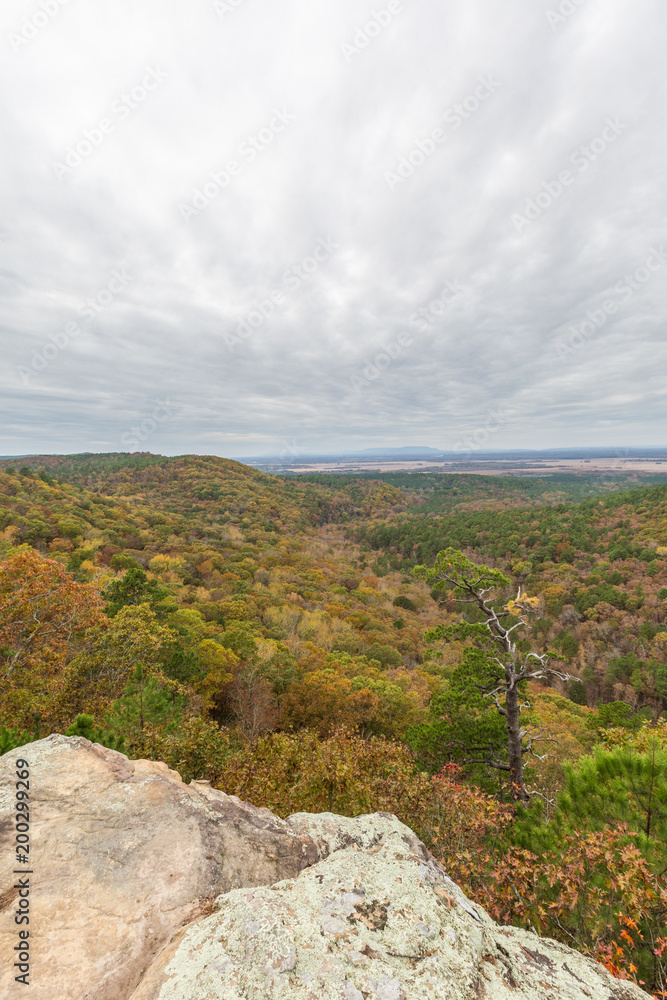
473, 584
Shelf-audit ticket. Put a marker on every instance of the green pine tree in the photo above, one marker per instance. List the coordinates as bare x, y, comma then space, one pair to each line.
145, 702
135, 588
84, 725
10, 739
608, 789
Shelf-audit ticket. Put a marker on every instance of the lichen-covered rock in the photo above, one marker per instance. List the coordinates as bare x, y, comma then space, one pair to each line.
126, 862
335, 833
123, 853
377, 923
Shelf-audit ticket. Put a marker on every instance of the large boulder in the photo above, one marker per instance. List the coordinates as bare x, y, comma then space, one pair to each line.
144, 888
123, 854
377, 923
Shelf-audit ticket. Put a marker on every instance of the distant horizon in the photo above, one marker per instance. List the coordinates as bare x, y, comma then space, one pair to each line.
404, 451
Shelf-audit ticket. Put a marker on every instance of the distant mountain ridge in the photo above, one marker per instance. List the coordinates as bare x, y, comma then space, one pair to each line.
420, 452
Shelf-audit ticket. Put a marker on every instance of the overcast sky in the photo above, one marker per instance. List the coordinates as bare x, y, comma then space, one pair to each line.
242, 226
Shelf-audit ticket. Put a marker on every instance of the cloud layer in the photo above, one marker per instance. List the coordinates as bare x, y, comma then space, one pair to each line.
325, 226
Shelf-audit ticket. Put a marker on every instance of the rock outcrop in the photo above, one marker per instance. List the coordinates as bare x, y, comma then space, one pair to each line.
123, 854
144, 888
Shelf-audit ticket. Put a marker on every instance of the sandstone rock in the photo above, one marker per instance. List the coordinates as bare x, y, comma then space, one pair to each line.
123, 854
127, 861
335, 833
372, 924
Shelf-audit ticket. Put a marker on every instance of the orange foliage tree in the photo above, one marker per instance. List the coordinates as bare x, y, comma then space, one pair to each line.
45, 618
597, 893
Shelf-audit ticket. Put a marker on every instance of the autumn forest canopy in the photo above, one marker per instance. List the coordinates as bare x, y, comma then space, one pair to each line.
485, 656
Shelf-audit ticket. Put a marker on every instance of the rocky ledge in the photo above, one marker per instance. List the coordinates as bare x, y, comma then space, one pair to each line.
145, 888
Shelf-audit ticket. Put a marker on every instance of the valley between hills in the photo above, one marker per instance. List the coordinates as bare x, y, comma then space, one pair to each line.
269, 634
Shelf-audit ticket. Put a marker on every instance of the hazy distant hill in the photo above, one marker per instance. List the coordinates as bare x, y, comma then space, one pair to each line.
421, 452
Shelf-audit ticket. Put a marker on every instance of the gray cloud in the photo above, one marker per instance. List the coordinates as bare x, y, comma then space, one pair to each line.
143, 105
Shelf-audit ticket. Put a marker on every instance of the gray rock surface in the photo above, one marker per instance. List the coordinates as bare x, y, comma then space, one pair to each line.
145, 888
374, 923
336, 833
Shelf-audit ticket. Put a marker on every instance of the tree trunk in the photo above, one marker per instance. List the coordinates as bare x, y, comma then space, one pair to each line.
518, 789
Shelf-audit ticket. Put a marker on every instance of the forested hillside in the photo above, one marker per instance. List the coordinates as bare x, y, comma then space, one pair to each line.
212, 491
270, 635
435, 492
600, 568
